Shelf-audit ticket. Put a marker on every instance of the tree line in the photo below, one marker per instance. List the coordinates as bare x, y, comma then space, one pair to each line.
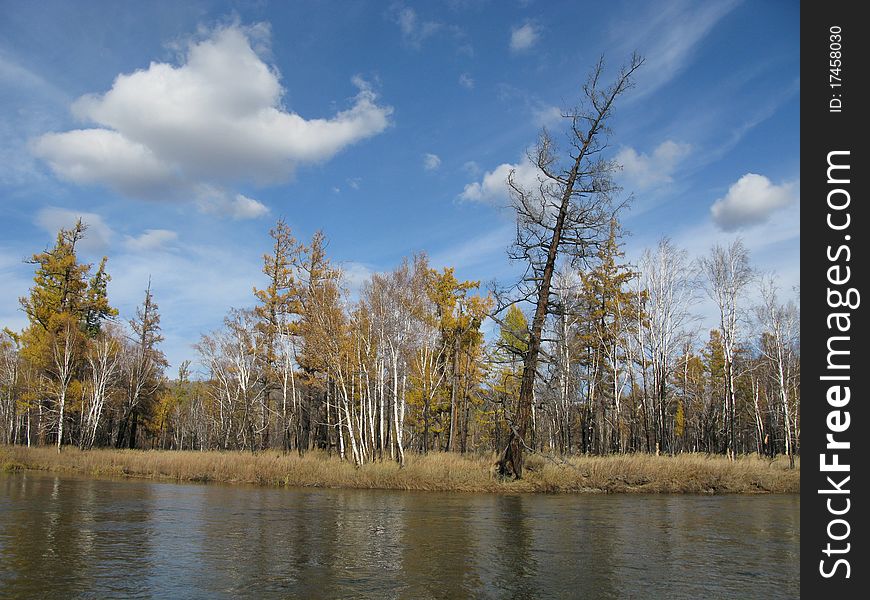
406, 366
585, 353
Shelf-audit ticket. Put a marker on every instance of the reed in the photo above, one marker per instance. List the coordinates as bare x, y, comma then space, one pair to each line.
632, 473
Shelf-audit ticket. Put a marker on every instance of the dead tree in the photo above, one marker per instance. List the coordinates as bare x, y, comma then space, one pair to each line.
565, 215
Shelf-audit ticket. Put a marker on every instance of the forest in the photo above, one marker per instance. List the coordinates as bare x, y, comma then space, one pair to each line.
587, 353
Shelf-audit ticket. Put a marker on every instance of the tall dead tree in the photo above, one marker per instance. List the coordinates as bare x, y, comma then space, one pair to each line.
566, 214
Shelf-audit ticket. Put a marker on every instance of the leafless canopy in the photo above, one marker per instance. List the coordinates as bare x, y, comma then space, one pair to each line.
573, 199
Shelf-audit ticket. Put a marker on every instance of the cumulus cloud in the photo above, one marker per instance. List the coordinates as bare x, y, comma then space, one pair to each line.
466, 81
214, 119
97, 237
493, 187
524, 37
431, 162
750, 201
150, 240
650, 170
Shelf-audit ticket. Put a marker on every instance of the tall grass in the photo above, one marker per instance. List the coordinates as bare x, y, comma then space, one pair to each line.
633, 473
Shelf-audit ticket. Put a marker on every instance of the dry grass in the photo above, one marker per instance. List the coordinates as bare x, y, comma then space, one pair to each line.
636, 473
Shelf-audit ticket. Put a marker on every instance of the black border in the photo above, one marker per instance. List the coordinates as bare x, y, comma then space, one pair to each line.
823, 131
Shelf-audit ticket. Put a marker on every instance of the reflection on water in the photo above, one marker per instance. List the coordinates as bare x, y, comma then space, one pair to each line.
65, 537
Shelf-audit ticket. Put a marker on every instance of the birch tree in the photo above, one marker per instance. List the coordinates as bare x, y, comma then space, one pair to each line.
781, 324
668, 281
728, 273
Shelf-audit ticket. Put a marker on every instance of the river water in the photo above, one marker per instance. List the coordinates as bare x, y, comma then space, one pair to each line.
63, 537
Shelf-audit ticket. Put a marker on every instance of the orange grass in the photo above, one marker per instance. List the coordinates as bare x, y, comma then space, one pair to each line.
632, 473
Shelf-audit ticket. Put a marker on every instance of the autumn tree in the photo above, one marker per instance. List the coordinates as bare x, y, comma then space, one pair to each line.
458, 317
65, 308
780, 323
670, 291
608, 308
143, 369
10, 383
565, 215
279, 305
728, 273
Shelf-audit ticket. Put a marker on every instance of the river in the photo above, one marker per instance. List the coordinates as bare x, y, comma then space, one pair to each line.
64, 537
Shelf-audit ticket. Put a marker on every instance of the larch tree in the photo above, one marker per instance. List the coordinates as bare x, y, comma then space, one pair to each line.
143, 369
565, 215
65, 308
279, 305
608, 307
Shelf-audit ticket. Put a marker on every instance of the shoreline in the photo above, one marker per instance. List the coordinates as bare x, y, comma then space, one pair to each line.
442, 472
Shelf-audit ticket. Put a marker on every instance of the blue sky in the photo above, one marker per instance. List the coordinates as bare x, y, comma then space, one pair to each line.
181, 131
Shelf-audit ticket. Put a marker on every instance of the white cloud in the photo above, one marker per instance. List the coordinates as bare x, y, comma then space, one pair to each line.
193, 288
472, 168
431, 162
217, 118
667, 35
16, 278
493, 186
483, 249
750, 201
354, 275
524, 37
101, 156
217, 201
414, 31
150, 240
546, 116
466, 81
97, 237
649, 170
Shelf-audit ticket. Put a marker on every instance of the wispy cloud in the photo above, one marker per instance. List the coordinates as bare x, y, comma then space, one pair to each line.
414, 30
431, 162
667, 34
97, 237
150, 240
484, 249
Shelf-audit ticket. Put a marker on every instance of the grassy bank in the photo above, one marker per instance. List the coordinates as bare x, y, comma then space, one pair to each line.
637, 473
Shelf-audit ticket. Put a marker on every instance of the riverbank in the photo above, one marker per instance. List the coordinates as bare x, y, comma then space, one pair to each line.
634, 473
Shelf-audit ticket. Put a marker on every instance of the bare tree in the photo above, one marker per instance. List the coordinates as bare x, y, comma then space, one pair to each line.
728, 272
781, 324
10, 375
103, 358
564, 215
65, 346
669, 284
